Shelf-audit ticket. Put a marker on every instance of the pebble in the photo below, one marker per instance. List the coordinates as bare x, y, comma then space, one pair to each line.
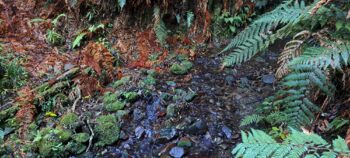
197, 128
139, 132
177, 152
268, 79
227, 131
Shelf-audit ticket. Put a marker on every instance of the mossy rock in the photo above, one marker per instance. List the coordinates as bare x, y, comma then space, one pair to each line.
149, 80
115, 106
131, 96
75, 147
70, 120
107, 130
124, 80
51, 149
109, 98
81, 137
10, 112
181, 69
63, 135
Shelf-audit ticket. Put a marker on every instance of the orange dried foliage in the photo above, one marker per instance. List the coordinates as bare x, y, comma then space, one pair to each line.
238, 4
97, 57
146, 45
27, 110
88, 85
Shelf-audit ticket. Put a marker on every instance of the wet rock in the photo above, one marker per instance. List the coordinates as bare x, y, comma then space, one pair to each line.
170, 110
197, 128
227, 131
268, 79
177, 152
139, 132
138, 115
190, 96
165, 135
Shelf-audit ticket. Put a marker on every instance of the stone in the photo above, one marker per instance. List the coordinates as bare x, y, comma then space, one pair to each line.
177, 152
227, 131
139, 132
68, 66
197, 128
165, 135
268, 79
170, 110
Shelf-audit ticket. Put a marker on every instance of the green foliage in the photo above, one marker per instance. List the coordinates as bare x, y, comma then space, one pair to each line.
259, 144
182, 68
161, 32
189, 19
81, 137
121, 3
12, 74
70, 120
107, 130
78, 39
260, 34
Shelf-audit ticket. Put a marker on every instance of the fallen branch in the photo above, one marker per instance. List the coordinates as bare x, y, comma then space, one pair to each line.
91, 136
76, 100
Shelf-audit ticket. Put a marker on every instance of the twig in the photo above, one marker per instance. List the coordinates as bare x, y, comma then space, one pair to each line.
91, 136
76, 100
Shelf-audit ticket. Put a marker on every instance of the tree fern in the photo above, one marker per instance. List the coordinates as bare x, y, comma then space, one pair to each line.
334, 56
291, 50
259, 35
259, 144
293, 98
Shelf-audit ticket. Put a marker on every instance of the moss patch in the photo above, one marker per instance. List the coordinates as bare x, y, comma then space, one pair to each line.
70, 120
107, 130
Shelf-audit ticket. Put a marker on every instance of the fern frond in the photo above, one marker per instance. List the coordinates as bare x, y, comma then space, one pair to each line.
258, 37
259, 144
250, 119
291, 50
335, 57
161, 32
293, 98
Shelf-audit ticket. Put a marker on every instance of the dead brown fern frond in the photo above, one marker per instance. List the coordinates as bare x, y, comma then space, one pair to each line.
290, 51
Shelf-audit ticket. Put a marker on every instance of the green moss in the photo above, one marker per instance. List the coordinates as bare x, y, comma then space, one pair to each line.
10, 112
112, 107
131, 96
182, 68
109, 98
51, 149
75, 147
70, 120
81, 137
63, 135
107, 130
124, 80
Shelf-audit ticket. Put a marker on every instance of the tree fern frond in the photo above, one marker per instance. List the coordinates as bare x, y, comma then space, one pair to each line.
258, 37
334, 57
295, 145
291, 50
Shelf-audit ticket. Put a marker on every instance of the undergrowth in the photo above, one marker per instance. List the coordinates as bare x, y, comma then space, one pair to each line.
307, 68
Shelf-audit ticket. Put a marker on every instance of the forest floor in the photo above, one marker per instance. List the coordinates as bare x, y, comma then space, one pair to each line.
209, 123
175, 101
